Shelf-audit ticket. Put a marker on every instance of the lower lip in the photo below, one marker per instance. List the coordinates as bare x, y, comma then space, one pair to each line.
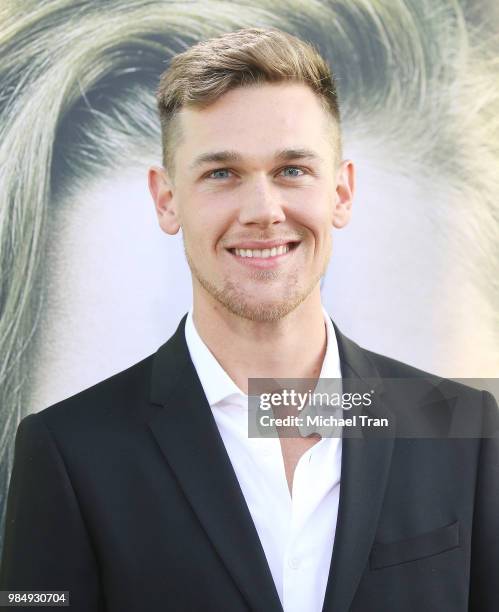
263, 262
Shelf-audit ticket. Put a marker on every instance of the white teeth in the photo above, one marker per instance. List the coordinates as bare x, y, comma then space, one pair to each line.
262, 253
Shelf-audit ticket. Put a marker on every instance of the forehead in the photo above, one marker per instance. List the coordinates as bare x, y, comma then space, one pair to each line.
255, 120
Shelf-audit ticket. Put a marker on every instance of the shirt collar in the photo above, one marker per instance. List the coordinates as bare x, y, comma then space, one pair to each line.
218, 385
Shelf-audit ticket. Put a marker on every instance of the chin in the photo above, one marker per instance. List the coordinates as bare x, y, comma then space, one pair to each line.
261, 311
248, 302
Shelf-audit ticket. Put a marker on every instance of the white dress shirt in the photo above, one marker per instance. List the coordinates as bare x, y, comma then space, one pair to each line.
296, 531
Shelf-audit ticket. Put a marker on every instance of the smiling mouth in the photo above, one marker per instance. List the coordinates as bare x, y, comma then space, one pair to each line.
267, 253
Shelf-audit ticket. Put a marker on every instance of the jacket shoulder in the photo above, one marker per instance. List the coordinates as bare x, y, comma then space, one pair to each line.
119, 395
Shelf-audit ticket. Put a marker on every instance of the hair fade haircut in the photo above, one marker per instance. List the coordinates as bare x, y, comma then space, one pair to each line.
199, 76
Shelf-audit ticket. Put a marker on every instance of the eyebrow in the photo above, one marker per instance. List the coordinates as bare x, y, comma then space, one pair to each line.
232, 156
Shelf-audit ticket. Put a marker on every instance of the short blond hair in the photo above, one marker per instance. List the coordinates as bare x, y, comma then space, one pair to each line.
199, 76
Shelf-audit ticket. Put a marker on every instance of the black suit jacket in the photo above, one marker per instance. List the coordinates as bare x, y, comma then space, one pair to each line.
125, 496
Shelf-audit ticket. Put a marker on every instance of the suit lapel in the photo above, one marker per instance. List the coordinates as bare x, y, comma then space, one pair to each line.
190, 441
364, 474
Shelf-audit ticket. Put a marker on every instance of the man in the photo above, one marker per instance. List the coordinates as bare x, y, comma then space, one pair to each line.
145, 492
68, 156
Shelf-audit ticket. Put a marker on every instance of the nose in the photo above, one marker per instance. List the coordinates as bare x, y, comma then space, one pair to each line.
261, 204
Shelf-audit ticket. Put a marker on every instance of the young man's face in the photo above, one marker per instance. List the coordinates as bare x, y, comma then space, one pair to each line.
257, 190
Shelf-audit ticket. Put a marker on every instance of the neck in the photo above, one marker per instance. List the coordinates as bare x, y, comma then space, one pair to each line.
291, 347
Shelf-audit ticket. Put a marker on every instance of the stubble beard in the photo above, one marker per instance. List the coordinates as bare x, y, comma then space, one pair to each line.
236, 301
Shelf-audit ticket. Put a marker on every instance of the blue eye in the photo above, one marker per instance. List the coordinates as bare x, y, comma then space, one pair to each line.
219, 173
295, 171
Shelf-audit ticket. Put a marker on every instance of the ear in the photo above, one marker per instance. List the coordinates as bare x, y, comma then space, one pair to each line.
162, 192
345, 188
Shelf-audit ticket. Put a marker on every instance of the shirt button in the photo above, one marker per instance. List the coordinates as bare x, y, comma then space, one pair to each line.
294, 563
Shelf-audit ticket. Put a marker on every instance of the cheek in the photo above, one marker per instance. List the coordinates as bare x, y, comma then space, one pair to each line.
313, 215
203, 228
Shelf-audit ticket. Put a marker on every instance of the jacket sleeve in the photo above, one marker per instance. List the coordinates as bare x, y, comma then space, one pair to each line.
46, 544
484, 593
